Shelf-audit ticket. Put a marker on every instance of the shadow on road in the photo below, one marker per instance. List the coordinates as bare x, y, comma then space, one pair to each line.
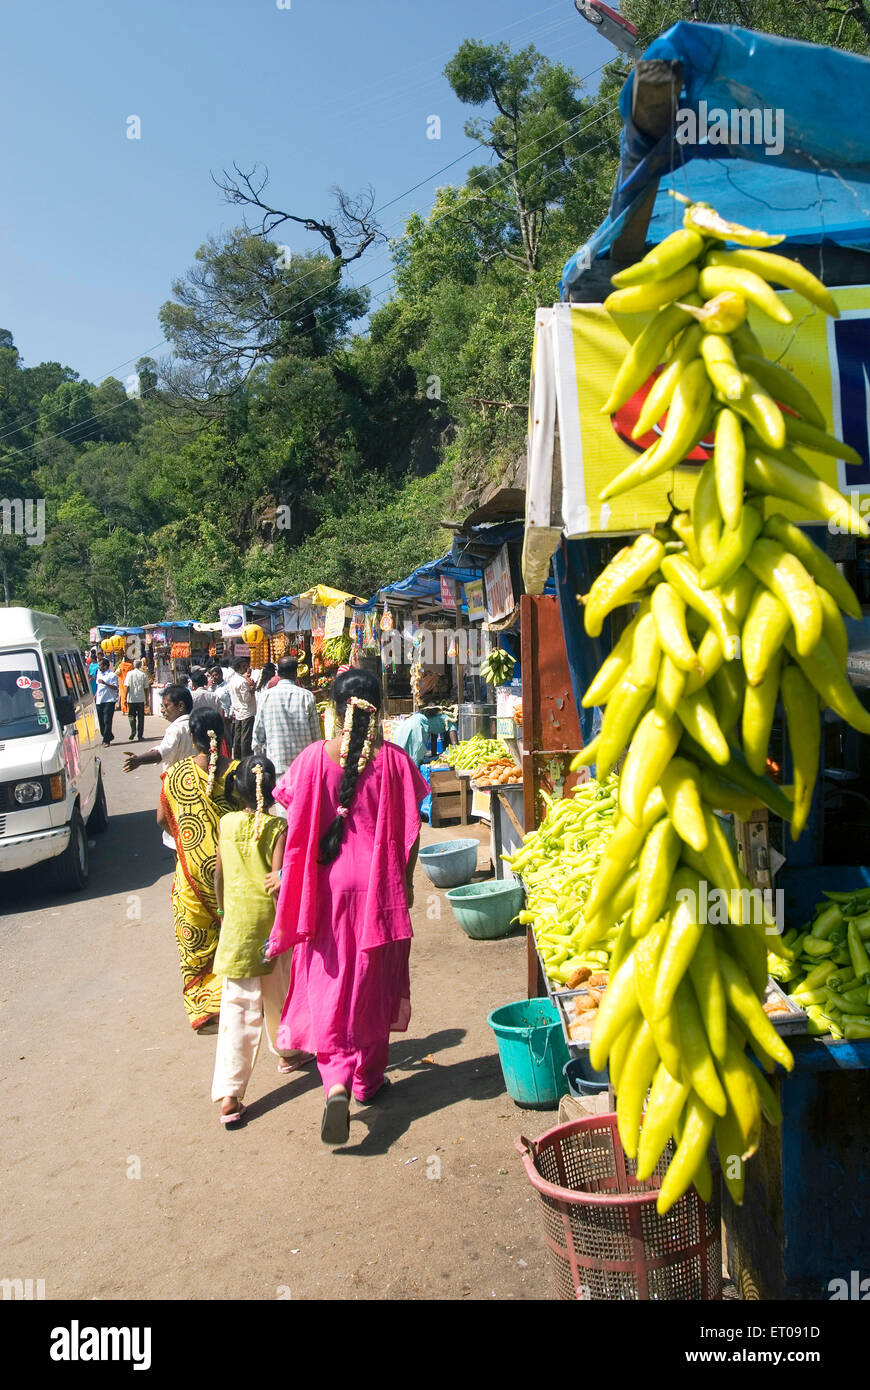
430, 1087
299, 1084
130, 855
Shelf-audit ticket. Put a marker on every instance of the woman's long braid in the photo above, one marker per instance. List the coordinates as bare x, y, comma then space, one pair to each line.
356, 751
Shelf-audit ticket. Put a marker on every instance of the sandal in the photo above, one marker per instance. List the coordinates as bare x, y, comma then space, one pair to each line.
335, 1125
299, 1060
234, 1116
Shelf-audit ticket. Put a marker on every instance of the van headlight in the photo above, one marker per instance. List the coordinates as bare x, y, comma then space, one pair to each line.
28, 793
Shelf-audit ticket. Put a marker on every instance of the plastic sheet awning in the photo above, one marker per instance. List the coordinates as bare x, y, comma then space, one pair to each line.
425, 581
815, 188
322, 596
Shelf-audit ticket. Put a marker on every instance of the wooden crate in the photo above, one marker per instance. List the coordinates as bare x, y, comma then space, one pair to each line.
450, 797
398, 706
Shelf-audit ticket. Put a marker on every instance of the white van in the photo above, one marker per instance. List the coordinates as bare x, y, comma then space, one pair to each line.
51, 783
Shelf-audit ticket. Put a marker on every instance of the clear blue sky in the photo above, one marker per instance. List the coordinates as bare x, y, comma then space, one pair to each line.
94, 226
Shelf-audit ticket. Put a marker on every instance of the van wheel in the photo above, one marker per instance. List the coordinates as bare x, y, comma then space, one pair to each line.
98, 820
69, 871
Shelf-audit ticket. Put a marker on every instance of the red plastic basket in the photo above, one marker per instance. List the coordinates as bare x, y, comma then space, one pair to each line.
605, 1237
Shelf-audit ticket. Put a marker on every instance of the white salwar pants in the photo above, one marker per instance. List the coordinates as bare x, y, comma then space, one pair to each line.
247, 1005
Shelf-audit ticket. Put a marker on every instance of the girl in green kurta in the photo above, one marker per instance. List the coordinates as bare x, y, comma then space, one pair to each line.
247, 874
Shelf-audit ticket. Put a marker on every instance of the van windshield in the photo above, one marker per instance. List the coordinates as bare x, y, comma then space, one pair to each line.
23, 702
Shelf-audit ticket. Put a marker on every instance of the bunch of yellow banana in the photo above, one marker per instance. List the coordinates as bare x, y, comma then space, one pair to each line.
735, 610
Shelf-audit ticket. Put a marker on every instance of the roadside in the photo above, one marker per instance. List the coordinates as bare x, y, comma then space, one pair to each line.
120, 1182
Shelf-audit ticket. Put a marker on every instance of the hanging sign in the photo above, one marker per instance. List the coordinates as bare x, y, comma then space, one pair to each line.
448, 594
335, 616
232, 620
475, 601
499, 590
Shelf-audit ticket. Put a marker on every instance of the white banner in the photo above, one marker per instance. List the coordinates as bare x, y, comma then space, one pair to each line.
232, 620
499, 590
335, 617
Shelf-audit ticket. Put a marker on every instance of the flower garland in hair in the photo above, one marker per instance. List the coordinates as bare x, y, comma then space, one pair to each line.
212, 762
258, 818
356, 703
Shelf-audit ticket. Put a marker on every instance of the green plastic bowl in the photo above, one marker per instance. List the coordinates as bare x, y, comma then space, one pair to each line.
486, 911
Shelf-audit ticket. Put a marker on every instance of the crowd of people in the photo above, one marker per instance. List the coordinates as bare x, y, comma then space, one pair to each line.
292, 888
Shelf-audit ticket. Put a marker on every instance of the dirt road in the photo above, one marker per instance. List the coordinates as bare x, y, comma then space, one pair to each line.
118, 1180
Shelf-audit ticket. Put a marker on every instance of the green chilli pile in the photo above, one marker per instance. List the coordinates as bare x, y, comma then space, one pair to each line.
829, 975
735, 609
557, 863
471, 752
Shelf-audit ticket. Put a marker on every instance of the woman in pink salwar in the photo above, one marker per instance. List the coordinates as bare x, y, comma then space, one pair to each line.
353, 830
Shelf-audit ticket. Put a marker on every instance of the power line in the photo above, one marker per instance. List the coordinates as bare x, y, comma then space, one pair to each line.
368, 284
47, 439
299, 304
446, 53
164, 342
446, 212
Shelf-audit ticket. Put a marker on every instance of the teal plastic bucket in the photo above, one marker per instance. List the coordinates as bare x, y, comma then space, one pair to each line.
486, 911
532, 1052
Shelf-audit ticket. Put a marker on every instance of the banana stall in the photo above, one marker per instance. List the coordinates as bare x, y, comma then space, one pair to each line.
699, 475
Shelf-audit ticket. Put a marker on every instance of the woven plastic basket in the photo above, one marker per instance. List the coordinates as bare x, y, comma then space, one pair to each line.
605, 1238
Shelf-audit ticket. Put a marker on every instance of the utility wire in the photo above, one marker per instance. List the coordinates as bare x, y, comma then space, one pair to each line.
446, 212
14, 429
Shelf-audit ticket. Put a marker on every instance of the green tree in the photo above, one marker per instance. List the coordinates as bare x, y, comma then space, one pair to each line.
537, 136
839, 23
241, 306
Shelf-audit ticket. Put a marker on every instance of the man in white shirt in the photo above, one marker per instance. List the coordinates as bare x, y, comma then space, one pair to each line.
243, 707
176, 743
287, 720
218, 687
106, 699
203, 698
136, 686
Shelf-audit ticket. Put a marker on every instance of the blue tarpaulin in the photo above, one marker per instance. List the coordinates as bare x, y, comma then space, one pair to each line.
816, 187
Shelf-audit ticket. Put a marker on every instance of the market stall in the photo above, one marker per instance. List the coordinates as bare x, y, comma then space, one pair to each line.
682, 495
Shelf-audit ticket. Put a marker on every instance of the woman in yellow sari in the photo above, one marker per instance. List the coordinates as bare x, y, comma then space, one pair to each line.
196, 792
121, 672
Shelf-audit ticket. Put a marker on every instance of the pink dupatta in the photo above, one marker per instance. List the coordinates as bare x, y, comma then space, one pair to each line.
385, 914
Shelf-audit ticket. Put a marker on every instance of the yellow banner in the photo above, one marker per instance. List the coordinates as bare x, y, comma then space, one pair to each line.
586, 346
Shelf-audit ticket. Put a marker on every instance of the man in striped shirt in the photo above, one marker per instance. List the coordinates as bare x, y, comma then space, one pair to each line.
287, 720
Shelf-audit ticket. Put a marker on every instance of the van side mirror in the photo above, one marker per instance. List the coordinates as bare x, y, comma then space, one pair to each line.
65, 708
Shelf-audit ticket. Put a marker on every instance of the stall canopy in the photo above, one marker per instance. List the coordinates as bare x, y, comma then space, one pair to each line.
424, 583
818, 100
463, 564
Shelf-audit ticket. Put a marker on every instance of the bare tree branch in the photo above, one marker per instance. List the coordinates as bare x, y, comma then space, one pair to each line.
349, 237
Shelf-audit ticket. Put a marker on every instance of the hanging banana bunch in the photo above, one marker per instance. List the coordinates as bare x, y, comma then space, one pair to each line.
737, 609
498, 667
